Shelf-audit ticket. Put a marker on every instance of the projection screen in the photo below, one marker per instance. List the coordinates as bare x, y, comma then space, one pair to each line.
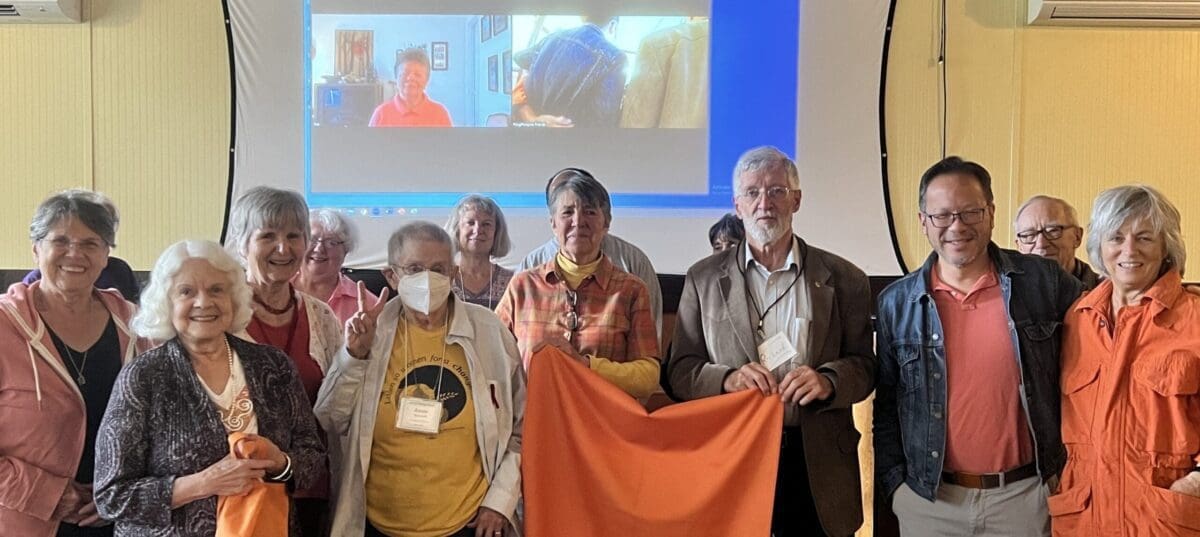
669, 94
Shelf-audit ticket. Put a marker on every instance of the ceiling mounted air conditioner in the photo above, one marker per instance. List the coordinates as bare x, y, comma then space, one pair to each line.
1114, 12
41, 11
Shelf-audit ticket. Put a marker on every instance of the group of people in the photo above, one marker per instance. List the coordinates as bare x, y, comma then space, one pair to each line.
1017, 393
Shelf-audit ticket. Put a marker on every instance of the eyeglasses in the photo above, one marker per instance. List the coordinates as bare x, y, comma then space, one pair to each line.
572, 314
328, 242
774, 193
1052, 233
87, 246
969, 217
409, 270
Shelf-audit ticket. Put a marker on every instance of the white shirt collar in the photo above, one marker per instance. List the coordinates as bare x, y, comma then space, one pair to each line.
788, 263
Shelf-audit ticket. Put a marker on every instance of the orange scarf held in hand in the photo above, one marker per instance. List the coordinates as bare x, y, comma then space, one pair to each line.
596, 464
262, 512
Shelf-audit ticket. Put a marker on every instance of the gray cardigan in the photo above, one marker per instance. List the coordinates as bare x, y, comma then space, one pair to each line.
161, 425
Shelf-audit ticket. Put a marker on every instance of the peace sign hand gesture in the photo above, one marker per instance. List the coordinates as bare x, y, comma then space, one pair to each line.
360, 327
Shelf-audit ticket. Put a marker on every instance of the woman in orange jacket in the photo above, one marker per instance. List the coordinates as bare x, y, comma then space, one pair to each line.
1131, 380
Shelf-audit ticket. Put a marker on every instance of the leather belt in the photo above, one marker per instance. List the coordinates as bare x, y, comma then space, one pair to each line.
989, 481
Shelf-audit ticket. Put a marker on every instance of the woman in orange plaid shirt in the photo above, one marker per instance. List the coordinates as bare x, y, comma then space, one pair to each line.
580, 302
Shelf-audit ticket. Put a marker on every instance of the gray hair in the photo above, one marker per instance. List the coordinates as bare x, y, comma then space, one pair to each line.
417, 230
412, 54
767, 158
1071, 214
501, 244
153, 319
264, 207
92, 209
1116, 206
584, 186
333, 222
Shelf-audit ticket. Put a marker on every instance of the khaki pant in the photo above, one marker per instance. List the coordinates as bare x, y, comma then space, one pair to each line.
1014, 510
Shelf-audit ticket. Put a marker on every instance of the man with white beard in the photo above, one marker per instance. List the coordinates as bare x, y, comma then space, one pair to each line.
793, 322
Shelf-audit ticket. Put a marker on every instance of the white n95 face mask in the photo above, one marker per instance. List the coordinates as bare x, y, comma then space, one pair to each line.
424, 291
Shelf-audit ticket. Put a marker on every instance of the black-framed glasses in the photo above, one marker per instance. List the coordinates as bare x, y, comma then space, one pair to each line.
1052, 233
774, 193
572, 314
328, 242
968, 217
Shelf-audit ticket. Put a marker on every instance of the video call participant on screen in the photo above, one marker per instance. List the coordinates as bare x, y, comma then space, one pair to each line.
411, 107
573, 77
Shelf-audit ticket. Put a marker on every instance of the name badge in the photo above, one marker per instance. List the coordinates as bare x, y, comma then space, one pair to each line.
776, 351
419, 415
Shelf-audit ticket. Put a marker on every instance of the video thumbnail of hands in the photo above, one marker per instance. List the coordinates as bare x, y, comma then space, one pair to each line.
509, 70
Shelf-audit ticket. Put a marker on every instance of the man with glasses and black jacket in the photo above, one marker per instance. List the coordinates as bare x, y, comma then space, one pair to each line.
1049, 227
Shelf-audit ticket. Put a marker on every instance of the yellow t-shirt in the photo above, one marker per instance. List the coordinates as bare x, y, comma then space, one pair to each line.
422, 485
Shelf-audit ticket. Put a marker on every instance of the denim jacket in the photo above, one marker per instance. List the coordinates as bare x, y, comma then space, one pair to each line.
910, 400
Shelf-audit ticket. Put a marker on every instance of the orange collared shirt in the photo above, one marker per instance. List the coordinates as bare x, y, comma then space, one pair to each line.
397, 113
986, 428
1130, 414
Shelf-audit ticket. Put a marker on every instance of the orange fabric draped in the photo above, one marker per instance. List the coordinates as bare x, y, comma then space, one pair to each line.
262, 512
594, 463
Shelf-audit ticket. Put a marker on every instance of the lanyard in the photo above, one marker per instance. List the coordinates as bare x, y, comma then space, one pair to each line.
437, 396
762, 314
491, 284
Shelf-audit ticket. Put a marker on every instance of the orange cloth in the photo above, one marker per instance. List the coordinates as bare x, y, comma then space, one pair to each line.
1130, 415
986, 428
262, 512
594, 463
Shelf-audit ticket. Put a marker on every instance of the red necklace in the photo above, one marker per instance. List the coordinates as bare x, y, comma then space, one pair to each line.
279, 311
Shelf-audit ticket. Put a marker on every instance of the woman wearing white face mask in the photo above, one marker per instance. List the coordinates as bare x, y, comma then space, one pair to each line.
430, 393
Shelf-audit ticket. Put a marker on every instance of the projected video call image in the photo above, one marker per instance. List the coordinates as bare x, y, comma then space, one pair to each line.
408, 70
595, 71
607, 71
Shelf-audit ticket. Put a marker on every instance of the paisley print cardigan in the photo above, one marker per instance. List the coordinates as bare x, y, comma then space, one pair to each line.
161, 425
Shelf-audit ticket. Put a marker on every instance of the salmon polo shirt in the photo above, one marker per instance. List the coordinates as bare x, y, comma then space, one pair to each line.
986, 428
395, 112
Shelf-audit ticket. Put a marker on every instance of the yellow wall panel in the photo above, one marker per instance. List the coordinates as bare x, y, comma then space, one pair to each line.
1060, 111
912, 122
134, 103
1110, 107
162, 121
46, 125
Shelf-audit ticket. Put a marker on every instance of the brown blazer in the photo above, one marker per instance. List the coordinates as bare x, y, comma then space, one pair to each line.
714, 335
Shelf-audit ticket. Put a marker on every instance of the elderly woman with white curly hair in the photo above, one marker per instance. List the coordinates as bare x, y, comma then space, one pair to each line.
162, 454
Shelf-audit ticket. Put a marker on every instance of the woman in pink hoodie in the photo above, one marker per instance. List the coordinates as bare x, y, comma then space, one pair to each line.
62, 343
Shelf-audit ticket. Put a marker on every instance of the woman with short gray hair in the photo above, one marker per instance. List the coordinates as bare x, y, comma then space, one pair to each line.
480, 235
269, 232
62, 344
117, 274
607, 323
163, 455
320, 276
1131, 378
